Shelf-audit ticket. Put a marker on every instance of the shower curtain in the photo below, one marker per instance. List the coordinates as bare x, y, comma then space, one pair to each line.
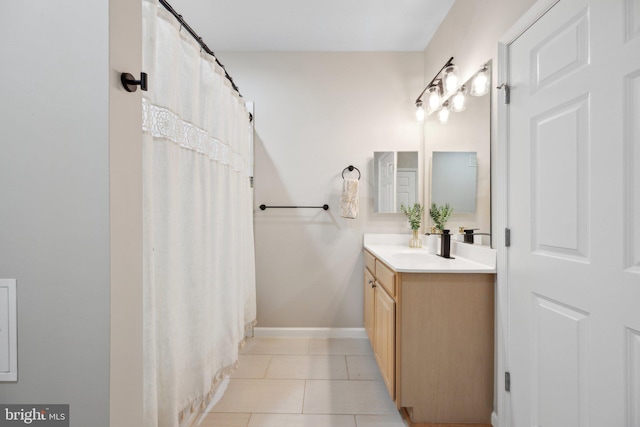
199, 269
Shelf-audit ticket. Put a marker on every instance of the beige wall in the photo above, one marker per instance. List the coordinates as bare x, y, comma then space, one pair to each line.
125, 217
470, 34
315, 114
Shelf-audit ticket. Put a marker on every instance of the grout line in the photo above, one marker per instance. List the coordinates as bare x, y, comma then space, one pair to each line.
346, 362
266, 371
304, 395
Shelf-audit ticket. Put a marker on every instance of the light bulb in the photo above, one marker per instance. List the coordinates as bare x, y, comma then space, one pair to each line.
458, 101
480, 85
443, 114
450, 79
435, 98
420, 111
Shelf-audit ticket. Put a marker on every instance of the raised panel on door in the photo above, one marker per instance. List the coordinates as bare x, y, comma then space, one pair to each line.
384, 342
369, 304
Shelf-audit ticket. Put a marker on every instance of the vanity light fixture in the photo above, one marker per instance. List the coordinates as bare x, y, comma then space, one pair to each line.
480, 83
434, 100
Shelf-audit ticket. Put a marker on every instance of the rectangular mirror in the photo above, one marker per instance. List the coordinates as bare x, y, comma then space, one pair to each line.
453, 179
396, 180
466, 131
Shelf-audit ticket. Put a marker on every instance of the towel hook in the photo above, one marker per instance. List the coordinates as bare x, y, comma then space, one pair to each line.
351, 168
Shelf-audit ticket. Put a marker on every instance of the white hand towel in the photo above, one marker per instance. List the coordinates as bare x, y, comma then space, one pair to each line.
349, 199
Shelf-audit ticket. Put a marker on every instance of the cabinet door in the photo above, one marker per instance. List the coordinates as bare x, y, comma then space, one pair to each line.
369, 301
385, 334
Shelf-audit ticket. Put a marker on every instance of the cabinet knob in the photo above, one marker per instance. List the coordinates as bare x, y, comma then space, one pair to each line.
373, 285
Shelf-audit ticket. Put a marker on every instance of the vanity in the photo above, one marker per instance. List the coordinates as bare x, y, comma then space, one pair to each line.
430, 321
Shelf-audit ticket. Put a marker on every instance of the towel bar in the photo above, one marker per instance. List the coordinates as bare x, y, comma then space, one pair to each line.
325, 207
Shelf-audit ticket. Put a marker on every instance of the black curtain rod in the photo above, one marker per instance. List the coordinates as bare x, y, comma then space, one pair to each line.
190, 30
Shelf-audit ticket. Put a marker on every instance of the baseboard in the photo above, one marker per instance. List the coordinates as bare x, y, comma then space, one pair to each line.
310, 332
494, 420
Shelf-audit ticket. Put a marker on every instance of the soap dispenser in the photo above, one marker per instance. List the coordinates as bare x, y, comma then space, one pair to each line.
445, 244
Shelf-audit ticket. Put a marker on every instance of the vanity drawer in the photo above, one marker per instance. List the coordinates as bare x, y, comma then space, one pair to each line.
386, 277
370, 262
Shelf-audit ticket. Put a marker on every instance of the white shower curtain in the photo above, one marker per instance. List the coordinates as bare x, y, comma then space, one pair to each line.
199, 269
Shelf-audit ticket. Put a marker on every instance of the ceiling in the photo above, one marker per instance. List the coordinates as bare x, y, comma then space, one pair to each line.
314, 25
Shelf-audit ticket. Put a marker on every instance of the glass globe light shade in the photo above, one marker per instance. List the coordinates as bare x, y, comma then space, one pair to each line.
434, 97
443, 114
420, 113
450, 79
480, 84
458, 101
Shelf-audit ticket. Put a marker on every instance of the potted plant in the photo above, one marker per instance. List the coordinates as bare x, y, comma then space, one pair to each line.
414, 215
440, 215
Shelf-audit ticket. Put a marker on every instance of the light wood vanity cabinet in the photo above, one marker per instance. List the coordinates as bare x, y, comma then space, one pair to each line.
433, 339
380, 317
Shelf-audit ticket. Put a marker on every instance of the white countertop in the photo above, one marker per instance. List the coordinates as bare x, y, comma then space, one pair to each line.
393, 250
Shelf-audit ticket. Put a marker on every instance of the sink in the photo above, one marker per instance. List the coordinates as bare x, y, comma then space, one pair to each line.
421, 258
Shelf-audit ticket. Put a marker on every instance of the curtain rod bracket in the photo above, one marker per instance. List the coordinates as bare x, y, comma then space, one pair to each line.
130, 83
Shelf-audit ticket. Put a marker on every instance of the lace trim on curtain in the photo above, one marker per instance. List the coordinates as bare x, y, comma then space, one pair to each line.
163, 123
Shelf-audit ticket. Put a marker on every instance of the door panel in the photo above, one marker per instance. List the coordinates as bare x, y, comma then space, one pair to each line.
560, 369
632, 372
632, 170
560, 180
385, 333
369, 303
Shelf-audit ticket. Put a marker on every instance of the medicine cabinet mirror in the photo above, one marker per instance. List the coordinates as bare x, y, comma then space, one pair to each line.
396, 180
453, 175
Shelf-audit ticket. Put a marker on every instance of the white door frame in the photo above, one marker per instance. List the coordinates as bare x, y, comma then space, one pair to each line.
501, 416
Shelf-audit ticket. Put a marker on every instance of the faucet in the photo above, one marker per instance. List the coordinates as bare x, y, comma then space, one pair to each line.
469, 233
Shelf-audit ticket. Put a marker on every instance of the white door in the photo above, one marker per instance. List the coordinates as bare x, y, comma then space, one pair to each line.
406, 187
573, 348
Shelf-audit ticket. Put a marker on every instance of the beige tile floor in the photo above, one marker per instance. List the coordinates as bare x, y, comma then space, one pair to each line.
305, 382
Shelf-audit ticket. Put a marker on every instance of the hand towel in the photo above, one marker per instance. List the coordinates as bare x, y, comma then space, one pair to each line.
349, 199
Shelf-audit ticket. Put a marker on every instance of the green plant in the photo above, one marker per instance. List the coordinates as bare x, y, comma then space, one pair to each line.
440, 215
414, 214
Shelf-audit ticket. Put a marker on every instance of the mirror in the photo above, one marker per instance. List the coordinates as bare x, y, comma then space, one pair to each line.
396, 180
465, 132
453, 179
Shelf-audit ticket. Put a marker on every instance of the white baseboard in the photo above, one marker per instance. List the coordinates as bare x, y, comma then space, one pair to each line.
310, 332
494, 420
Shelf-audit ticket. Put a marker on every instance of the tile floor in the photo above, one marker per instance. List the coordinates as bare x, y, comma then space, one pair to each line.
305, 382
